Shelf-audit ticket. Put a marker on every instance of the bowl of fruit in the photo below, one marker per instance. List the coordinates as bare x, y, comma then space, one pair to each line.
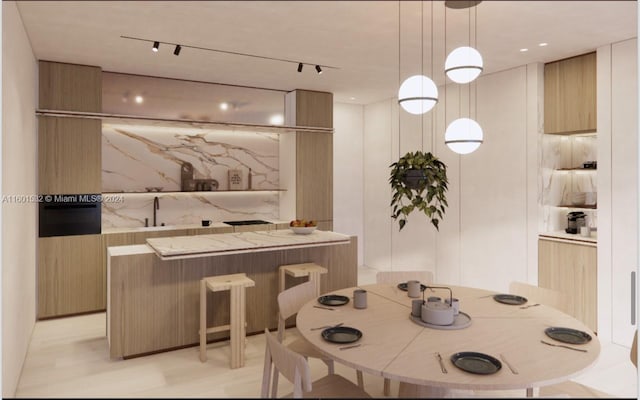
303, 227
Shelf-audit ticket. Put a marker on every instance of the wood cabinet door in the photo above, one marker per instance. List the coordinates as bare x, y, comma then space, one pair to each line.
570, 95
71, 277
571, 269
70, 155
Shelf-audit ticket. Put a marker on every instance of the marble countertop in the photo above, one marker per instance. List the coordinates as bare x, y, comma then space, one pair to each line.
240, 242
592, 240
175, 227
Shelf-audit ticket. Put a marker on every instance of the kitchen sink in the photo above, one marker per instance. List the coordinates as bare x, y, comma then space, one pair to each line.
247, 222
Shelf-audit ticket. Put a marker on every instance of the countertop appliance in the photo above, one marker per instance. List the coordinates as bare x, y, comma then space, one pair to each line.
70, 214
575, 220
247, 222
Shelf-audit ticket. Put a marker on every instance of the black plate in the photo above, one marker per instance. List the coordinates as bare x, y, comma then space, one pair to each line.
476, 363
568, 335
510, 299
333, 300
341, 334
404, 286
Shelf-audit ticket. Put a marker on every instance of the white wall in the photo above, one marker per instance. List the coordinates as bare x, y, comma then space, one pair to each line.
19, 230
492, 192
617, 187
348, 184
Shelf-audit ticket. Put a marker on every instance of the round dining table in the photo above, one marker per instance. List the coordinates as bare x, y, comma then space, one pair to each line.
396, 347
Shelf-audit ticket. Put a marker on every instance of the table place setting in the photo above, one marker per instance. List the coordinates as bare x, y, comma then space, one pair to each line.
566, 335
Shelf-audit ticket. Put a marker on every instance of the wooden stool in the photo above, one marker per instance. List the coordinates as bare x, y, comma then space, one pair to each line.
236, 284
312, 270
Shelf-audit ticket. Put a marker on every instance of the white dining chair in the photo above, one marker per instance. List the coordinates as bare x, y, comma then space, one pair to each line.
399, 277
290, 301
295, 368
537, 294
403, 276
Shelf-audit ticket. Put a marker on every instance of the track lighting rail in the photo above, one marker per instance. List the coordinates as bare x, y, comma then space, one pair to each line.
156, 44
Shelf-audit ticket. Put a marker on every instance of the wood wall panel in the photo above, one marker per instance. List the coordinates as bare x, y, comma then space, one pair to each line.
70, 87
572, 270
71, 278
570, 95
70, 155
154, 304
314, 109
314, 176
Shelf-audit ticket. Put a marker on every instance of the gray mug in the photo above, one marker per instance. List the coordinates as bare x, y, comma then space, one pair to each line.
360, 298
413, 289
416, 308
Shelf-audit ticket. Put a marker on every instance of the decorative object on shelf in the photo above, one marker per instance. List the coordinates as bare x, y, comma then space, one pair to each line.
189, 184
464, 64
421, 180
418, 94
235, 179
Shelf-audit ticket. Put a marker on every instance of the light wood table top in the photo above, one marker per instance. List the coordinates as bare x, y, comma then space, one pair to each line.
395, 347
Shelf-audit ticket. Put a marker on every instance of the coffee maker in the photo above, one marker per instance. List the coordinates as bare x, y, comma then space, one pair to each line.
575, 220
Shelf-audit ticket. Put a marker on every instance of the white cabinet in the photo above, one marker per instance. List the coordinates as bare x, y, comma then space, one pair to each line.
618, 186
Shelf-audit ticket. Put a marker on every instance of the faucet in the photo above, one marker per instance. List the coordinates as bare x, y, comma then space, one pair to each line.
156, 206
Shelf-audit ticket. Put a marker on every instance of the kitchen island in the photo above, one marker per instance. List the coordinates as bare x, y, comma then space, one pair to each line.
153, 289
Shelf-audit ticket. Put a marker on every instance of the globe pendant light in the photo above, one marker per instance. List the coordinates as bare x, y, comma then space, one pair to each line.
463, 136
418, 94
463, 64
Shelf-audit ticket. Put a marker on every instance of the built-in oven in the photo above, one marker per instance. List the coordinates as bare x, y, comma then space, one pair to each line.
70, 214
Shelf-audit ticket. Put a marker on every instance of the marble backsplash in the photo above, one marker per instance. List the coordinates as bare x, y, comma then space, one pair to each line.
137, 157
559, 154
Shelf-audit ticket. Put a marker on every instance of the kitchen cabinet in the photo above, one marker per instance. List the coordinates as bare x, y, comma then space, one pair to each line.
314, 156
71, 277
570, 95
69, 149
70, 156
571, 268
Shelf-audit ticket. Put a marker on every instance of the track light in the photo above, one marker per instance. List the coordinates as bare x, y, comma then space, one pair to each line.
177, 50
300, 65
318, 69
155, 46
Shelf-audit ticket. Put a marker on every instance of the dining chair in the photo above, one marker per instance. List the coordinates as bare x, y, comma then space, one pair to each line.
290, 301
398, 277
295, 368
403, 276
537, 294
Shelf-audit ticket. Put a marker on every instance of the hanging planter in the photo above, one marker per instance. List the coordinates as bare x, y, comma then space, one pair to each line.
418, 181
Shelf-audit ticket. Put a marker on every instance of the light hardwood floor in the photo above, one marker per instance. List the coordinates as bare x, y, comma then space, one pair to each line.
68, 357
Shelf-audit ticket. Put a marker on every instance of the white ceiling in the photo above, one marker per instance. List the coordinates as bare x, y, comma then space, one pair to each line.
361, 38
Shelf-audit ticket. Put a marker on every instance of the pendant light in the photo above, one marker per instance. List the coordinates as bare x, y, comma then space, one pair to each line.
418, 94
463, 135
464, 64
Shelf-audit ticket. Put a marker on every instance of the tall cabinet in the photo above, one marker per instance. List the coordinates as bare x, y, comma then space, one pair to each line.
568, 262
70, 277
314, 155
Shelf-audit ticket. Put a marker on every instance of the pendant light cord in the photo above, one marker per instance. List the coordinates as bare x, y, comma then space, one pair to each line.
422, 70
434, 116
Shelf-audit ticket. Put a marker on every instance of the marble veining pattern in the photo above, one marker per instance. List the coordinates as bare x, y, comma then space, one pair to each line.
240, 241
189, 208
137, 157
565, 152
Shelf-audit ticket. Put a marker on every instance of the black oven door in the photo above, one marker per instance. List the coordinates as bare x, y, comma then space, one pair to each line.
70, 214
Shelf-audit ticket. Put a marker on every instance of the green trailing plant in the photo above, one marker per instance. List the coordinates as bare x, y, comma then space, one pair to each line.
418, 182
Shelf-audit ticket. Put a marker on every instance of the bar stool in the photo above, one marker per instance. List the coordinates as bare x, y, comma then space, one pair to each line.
235, 284
312, 270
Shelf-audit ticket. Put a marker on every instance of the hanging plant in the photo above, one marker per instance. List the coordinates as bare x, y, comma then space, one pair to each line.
419, 182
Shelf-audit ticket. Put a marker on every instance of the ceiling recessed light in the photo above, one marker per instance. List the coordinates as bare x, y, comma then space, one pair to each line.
276, 119
543, 44
523, 50
155, 46
139, 99
352, 98
224, 106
